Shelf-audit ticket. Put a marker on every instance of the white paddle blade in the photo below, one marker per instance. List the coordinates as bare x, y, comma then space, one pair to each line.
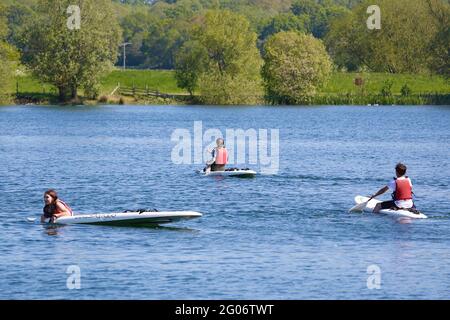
359, 207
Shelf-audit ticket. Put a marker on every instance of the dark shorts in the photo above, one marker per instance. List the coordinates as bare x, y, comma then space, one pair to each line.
388, 204
217, 167
391, 204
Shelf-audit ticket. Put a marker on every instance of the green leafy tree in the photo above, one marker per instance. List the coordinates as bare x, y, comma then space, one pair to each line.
182, 9
285, 22
317, 14
344, 43
157, 32
228, 62
72, 58
18, 15
440, 44
296, 65
400, 46
135, 27
189, 65
161, 41
9, 59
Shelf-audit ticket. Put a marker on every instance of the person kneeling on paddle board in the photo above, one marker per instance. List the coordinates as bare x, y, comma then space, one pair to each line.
219, 157
54, 207
402, 194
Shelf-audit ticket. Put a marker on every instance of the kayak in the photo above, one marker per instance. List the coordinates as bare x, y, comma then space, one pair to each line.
394, 213
231, 173
138, 218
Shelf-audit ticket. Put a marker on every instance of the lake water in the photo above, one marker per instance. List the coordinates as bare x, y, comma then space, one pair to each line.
282, 235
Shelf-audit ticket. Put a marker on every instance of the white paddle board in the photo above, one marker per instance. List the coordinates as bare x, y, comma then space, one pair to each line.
128, 218
395, 213
231, 173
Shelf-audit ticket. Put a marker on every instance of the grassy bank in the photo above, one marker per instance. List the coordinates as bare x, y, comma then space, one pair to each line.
343, 83
424, 89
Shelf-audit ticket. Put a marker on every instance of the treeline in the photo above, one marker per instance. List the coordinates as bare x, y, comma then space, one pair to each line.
157, 31
411, 28
414, 38
227, 51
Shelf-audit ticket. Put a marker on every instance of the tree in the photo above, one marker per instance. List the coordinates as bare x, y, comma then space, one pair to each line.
296, 65
157, 32
189, 65
285, 22
70, 58
343, 43
135, 26
18, 15
317, 14
161, 40
9, 59
400, 46
440, 45
228, 63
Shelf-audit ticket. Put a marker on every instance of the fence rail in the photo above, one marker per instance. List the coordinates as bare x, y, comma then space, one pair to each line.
143, 92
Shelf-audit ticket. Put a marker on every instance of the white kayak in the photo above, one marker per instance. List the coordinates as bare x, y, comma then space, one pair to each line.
129, 218
395, 213
231, 173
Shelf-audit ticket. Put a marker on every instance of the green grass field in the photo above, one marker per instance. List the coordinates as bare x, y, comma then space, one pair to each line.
28, 84
340, 83
161, 80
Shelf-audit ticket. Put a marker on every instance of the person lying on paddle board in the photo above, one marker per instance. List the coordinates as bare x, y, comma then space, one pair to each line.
402, 194
219, 157
54, 207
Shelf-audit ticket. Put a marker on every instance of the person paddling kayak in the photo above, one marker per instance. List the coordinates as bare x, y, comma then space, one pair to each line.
402, 194
219, 157
54, 207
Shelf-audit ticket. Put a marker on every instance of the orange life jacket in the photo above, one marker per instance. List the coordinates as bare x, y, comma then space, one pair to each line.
221, 156
403, 189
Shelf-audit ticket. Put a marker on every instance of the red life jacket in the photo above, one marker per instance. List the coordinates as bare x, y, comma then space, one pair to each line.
221, 156
53, 209
403, 189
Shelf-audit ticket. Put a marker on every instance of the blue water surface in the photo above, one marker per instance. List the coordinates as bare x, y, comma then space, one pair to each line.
285, 235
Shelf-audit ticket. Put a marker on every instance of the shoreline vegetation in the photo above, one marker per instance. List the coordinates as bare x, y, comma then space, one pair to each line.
159, 87
240, 52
